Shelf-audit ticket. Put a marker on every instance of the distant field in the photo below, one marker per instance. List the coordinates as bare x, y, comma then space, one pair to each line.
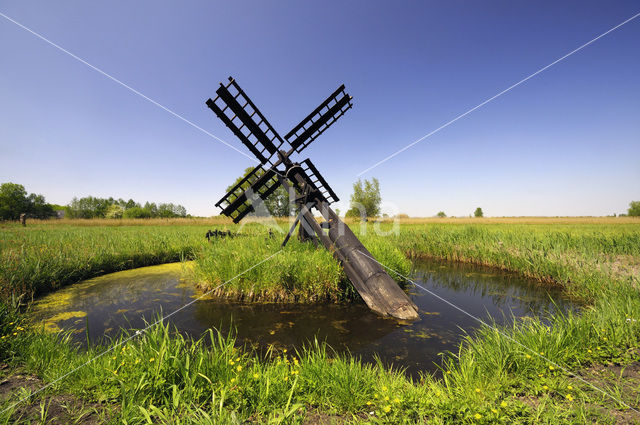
47, 254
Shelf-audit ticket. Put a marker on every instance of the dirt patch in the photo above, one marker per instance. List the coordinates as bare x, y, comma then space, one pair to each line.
55, 409
621, 383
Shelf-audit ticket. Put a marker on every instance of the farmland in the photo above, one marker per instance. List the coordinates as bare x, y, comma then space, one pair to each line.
527, 372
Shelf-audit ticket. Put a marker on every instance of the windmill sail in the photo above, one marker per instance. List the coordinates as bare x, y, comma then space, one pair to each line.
319, 120
246, 121
239, 201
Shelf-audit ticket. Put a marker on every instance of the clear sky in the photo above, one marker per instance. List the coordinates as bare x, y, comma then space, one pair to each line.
566, 142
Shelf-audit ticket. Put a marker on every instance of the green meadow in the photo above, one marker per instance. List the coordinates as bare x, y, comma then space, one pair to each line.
575, 368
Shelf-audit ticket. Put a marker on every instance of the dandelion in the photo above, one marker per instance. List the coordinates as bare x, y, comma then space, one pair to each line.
137, 361
569, 387
569, 397
231, 362
589, 351
233, 380
239, 368
368, 403
387, 409
256, 376
286, 378
152, 359
494, 410
448, 372
384, 388
528, 356
551, 367
396, 400
503, 404
544, 387
386, 398
284, 351
478, 390
542, 353
477, 416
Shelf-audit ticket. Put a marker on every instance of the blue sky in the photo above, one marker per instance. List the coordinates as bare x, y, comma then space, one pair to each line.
566, 142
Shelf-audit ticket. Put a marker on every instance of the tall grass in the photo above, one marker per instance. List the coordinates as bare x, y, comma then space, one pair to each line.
526, 372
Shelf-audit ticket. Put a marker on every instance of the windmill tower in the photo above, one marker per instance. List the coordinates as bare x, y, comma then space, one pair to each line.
378, 290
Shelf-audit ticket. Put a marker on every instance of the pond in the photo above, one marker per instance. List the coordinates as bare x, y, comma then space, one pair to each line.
126, 299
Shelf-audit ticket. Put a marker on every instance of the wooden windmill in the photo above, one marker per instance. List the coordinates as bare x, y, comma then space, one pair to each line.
311, 191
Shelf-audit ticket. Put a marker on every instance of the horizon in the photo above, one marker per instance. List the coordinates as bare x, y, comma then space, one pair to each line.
565, 143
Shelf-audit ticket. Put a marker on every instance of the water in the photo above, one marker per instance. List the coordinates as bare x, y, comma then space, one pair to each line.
125, 299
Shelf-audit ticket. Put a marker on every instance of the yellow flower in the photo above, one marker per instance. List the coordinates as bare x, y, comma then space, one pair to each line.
478, 390
544, 387
233, 380
588, 351
284, 351
239, 368
286, 378
551, 367
231, 362
569, 387
448, 372
396, 400
477, 416
542, 353
137, 361
237, 359
256, 376
295, 361
384, 388
503, 404
605, 338
152, 359
375, 395
386, 398
527, 356
569, 397
368, 403
494, 410
387, 408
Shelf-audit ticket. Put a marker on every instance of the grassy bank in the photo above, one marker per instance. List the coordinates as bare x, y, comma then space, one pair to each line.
529, 372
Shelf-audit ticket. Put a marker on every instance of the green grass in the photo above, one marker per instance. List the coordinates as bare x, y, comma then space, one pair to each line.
496, 376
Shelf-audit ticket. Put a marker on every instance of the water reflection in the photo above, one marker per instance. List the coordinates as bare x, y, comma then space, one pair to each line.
126, 299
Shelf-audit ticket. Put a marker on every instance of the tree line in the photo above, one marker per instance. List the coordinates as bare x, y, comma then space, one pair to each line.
14, 200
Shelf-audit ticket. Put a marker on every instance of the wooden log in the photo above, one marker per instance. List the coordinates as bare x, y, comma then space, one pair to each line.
378, 290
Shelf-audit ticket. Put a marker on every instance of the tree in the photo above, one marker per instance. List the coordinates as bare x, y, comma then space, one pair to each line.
38, 207
478, 212
634, 209
13, 201
136, 212
365, 199
441, 214
277, 203
115, 211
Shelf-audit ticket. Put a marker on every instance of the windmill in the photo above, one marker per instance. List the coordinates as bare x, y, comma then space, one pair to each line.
311, 191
